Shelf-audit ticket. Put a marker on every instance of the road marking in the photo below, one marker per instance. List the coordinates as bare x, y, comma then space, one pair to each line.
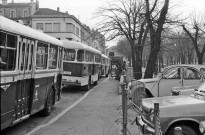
64, 111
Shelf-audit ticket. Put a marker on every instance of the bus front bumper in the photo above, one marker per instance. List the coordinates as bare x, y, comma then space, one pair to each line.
65, 83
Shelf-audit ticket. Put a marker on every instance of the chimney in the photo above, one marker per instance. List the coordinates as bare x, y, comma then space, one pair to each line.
66, 12
58, 9
4, 2
12, 1
37, 5
31, 1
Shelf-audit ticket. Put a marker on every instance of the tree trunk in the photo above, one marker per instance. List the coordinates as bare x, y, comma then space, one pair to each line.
138, 54
151, 65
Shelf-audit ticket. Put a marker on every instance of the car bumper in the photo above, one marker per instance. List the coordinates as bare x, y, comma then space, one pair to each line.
145, 129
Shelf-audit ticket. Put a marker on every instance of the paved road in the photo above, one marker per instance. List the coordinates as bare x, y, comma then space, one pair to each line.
94, 115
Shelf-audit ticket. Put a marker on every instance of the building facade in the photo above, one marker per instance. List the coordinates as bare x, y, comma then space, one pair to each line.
19, 11
63, 26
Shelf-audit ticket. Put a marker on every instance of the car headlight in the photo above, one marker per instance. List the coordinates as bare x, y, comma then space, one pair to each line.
152, 115
202, 127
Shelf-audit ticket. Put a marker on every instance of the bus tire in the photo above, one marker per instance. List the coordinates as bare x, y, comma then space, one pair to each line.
49, 104
87, 87
95, 83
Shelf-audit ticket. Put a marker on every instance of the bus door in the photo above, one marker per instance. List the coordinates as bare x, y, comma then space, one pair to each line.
23, 98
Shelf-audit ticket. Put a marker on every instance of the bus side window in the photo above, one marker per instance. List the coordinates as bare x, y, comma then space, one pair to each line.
8, 49
22, 56
53, 53
60, 57
80, 55
41, 56
27, 55
31, 57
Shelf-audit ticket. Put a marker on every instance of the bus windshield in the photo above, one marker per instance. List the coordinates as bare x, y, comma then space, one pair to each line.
80, 55
69, 54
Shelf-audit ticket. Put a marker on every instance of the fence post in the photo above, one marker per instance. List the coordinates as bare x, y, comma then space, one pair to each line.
178, 131
124, 105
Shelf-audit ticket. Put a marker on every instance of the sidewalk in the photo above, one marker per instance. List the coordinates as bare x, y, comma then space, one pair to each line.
97, 114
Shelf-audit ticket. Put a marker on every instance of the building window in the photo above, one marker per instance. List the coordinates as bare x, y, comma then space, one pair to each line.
39, 26
56, 27
48, 27
77, 31
70, 27
25, 13
13, 14
1, 13
111, 54
82, 35
59, 38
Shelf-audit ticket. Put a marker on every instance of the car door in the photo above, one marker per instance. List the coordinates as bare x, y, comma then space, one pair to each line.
192, 76
170, 78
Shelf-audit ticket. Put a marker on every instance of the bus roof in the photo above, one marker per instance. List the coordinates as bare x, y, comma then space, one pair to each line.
78, 45
105, 56
17, 28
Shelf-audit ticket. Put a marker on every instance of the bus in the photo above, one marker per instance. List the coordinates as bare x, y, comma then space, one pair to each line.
81, 65
31, 72
105, 65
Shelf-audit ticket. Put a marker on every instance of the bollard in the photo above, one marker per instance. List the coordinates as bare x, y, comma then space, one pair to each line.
177, 131
156, 119
124, 105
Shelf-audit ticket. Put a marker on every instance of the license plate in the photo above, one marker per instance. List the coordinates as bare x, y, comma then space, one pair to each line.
67, 72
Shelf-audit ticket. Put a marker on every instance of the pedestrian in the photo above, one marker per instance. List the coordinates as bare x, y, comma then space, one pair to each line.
109, 73
119, 72
124, 65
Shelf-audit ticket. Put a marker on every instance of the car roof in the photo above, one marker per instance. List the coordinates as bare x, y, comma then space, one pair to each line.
188, 65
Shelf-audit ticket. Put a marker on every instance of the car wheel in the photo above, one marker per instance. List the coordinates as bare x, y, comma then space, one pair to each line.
186, 130
137, 95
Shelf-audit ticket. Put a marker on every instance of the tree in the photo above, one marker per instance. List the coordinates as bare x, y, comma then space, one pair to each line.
124, 48
155, 32
195, 33
125, 18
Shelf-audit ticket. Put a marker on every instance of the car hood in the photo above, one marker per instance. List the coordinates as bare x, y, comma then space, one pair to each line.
176, 105
150, 80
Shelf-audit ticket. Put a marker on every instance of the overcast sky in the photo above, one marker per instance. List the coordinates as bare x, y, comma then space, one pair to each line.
84, 9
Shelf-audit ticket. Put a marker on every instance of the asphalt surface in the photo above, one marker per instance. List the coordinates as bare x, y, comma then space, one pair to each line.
95, 113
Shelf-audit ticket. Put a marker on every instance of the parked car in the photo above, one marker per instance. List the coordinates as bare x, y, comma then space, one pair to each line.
183, 90
173, 76
174, 111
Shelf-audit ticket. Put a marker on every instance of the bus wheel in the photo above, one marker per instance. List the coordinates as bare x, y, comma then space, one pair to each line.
96, 82
86, 87
49, 104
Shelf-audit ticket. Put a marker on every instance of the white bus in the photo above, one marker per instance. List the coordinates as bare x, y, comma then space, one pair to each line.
81, 64
31, 72
105, 65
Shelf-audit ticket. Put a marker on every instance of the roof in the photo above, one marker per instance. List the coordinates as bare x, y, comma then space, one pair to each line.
47, 11
15, 5
77, 45
17, 28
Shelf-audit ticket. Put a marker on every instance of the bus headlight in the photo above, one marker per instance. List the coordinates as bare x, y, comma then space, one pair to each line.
202, 127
